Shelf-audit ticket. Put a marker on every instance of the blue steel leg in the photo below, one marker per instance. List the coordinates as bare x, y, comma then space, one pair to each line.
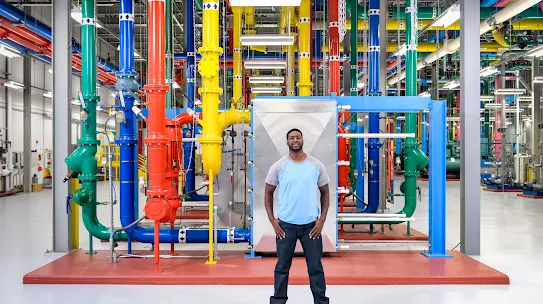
424, 135
360, 168
252, 253
437, 182
398, 141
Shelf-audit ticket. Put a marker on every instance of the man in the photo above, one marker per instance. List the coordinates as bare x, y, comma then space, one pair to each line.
298, 176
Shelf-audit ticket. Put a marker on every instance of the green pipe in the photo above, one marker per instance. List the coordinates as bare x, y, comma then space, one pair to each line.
354, 89
487, 112
415, 159
82, 161
198, 4
169, 54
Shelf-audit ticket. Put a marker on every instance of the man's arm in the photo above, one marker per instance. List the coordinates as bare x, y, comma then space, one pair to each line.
268, 200
325, 201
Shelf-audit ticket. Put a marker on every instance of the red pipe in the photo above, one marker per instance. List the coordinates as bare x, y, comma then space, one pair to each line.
334, 47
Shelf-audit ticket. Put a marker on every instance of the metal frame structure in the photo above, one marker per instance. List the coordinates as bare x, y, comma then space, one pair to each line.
437, 136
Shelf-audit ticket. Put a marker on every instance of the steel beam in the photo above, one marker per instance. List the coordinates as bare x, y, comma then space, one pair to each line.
27, 123
62, 91
470, 142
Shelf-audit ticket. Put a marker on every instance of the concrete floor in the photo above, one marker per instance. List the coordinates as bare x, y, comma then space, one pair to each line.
512, 242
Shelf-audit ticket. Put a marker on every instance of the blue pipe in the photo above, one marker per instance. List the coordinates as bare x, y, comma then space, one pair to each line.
423, 135
488, 3
373, 90
18, 17
360, 168
189, 148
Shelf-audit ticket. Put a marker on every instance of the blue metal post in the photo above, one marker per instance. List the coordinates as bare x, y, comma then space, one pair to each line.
423, 137
360, 150
398, 141
373, 143
189, 148
437, 183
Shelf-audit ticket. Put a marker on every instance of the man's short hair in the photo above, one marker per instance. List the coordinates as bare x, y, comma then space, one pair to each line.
294, 130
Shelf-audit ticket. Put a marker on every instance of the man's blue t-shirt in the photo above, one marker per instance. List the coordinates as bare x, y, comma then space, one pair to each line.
298, 185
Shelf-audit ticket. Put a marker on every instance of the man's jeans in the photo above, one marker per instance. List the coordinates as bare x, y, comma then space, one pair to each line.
313, 254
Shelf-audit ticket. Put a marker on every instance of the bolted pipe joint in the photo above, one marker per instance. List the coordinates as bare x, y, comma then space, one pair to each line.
157, 208
128, 80
83, 196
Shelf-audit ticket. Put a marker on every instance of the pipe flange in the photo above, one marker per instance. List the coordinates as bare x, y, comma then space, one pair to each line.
216, 90
190, 79
333, 24
183, 235
238, 77
231, 234
354, 89
237, 50
191, 54
424, 62
304, 55
373, 12
377, 145
354, 67
126, 17
304, 84
213, 6
152, 88
434, 13
305, 20
335, 58
88, 21
373, 48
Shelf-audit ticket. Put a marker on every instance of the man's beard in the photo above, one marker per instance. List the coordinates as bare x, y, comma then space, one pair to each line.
291, 148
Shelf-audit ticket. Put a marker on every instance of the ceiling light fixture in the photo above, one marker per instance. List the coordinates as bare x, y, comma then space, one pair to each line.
486, 98
509, 91
266, 90
266, 79
452, 85
265, 3
266, 39
14, 85
489, 70
9, 52
265, 64
451, 15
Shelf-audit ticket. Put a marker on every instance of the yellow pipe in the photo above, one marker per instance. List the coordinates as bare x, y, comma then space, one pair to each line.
211, 258
305, 84
250, 28
232, 117
237, 100
392, 25
288, 18
75, 216
208, 67
500, 38
426, 47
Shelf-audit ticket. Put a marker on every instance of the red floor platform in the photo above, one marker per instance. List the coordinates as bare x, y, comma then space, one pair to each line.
529, 196
505, 190
342, 268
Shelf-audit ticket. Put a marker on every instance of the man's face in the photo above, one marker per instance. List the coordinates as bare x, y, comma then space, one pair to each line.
295, 141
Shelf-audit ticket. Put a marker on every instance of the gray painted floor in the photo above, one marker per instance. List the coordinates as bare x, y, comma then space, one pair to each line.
512, 242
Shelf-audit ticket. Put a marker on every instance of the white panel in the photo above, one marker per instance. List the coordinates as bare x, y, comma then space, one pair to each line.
17, 131
48, 134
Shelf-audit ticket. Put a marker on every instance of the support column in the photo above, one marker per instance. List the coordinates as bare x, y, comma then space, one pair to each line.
536, 113
470, 143
62, 90
304, 49
383, 88
27, 114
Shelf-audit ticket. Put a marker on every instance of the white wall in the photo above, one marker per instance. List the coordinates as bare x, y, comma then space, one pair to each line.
42, 107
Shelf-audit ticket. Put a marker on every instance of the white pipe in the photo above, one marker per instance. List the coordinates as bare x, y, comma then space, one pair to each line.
450, 47
517, 129
195, 204
190, 139
376, 135
369, 215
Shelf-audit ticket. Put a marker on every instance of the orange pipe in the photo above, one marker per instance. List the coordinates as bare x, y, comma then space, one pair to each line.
343, 173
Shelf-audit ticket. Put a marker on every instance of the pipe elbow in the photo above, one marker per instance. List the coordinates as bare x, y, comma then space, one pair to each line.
418, 156
82, 156
232, 117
